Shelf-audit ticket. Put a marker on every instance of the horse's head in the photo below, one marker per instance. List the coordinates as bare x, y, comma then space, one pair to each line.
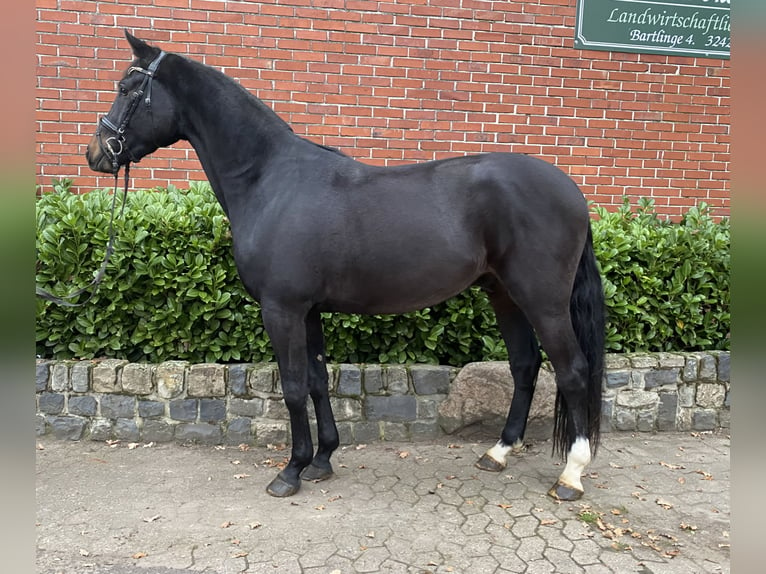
143, 115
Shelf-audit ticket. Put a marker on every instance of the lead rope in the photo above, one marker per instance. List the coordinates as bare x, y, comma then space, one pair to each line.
109, 248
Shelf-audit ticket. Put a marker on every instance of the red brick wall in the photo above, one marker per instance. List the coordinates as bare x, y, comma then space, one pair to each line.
402, 81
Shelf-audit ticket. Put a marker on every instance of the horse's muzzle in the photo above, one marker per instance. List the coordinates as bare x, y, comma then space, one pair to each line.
97, 159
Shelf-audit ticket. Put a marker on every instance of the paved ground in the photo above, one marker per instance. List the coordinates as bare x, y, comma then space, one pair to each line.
654, 504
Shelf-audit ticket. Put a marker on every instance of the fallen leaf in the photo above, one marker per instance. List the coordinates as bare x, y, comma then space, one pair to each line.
40, 447
244, 447
614, 465
548, 522
334, 498
226, 524
616, 511
254, 525
454, 446
240, 554
403, 454
705, 475
241, 476
681, 480
236, 542
148, 445
360, 446
133, 445
235, 462
153, 518
320, 507
504, 506
685, 526
371, 534
84, 552
664, 503
672, 466
219, 447
139, 555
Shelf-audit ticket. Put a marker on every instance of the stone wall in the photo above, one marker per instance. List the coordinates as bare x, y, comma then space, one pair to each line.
241, 403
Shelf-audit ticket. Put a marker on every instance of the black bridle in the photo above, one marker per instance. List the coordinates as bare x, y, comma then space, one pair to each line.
118, 127
109, 151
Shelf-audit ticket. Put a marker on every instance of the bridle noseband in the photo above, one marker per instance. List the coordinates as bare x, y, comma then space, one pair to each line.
116, 144
107, 148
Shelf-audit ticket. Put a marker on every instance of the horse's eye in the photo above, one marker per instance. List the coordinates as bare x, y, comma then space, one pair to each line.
123, 90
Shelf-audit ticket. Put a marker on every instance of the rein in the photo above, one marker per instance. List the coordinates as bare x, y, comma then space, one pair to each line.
108, 148
109, 248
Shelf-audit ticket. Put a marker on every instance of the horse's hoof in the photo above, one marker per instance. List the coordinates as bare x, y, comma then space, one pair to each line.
316, 473
281, 488
486, 462
561, 491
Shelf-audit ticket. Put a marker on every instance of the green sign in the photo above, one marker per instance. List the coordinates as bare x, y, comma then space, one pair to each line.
698, 28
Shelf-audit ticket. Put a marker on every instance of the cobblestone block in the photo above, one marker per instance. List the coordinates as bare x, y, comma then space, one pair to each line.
346, 408
431, 379
212, 410
117, 406
662, 377
40, 426
151, 409
246, 407
607, 414
206, 380
86, 406
126, 430
708, 368
372, 378
199, 433
137, 378
396, 432
183, 410
421, 430
169, 378
617, 379
396, 380
157, 431
42, 371
100, 430
365, 432
60, 377
237, 377
671, 360
104, 376
50, 403
624, 419
270, 433
346, 433
686, 395
645, 419
643, 360
396, 408
239, 431
79, 375
691, 369
349, 380
262, 378
710, 395
704, 419
724, 367
667, 411
67, 428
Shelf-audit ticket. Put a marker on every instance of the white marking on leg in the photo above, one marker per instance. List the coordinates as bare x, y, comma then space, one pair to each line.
577, 460
499, 452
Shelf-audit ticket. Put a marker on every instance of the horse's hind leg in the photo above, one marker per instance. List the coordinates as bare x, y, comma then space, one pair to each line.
525, 358
327, 433
287, 331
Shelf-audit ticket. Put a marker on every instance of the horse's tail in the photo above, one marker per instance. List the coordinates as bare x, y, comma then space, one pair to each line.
589, 322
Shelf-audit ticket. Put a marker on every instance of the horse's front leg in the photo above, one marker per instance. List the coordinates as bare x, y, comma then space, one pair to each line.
327, 432
287, 330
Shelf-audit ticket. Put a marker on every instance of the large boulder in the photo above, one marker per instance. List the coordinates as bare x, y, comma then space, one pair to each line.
481, 393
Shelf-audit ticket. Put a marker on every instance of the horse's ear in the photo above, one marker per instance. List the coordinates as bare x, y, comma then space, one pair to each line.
141, 50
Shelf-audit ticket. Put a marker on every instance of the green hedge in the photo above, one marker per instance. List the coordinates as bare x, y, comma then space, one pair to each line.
171, 290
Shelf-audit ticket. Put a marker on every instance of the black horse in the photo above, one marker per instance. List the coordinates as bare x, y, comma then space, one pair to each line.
304, 243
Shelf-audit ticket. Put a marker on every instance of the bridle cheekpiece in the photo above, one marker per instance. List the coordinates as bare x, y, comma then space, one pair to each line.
116, 144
